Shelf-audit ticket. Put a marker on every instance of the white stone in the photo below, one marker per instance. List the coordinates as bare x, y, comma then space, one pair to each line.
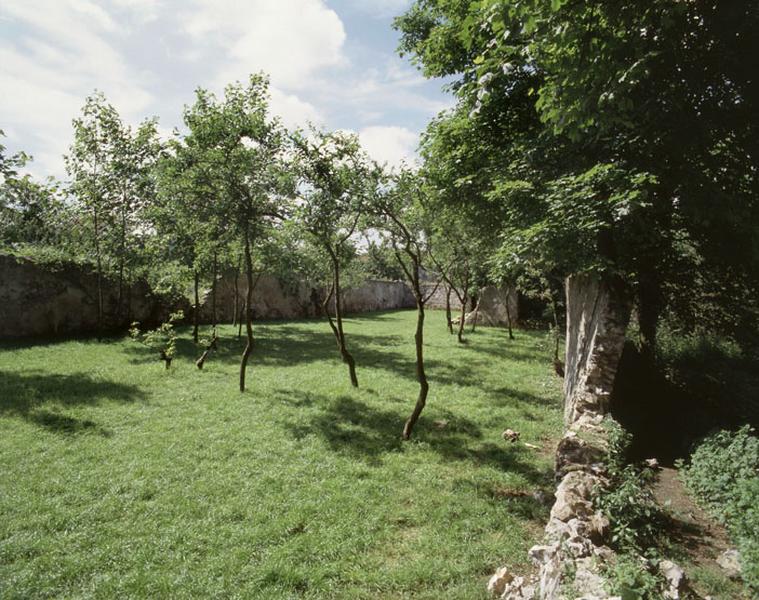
730, 561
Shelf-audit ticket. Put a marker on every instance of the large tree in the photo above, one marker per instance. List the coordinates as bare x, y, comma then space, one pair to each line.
241, 148
624, 134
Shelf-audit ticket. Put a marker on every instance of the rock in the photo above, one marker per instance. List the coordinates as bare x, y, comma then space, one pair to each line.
573, 496
517, 590
605, 553
598, 527
573, 452
499, 581
510, 435
730, 561
588, 583
541, 554
675, 577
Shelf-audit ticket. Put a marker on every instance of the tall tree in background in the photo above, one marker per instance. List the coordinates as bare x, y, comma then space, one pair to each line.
88, 165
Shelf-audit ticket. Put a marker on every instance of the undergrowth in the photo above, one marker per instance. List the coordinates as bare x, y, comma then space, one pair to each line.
724, 474
635, 521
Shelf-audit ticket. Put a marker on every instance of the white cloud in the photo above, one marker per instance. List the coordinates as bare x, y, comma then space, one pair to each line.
293, 111
65, 53
383, 8
389, 144
289, 40
148, 55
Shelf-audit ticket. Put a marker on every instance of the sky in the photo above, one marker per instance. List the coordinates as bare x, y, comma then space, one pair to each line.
331, 62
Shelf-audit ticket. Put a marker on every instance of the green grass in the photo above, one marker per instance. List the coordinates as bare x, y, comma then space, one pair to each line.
118, 478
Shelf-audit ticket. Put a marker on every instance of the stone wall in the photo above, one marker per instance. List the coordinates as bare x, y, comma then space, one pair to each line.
273, 299
493, 302
571, 559
44, 300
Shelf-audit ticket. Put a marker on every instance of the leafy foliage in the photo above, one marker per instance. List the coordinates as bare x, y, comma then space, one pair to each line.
724, 474
163, 339
635, 518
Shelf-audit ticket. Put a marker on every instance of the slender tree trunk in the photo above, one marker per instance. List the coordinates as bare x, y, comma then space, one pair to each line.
421, 376
508, 318
248, 302
338, 330
462, 320
236, 306
196, 312
122, 253
213, 292
166, 360
555, 311
448, 318
99, 261
211, 346
476, 314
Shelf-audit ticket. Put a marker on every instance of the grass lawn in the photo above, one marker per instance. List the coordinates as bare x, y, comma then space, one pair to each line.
120, 479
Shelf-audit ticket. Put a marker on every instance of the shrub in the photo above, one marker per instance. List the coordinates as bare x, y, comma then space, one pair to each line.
162, 339
631, 579
724, 474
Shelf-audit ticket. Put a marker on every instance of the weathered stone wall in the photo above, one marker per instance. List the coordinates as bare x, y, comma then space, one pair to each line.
273, 299
493, 302
571, 559
597, 318
42, 300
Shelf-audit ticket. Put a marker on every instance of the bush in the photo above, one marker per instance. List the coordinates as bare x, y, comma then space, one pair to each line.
630, 579
627, 501
724, 475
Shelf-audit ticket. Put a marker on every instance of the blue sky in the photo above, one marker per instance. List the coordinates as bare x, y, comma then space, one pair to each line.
331, 61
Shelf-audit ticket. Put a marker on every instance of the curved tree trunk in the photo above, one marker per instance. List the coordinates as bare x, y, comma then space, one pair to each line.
211, 346
236, 301
421, 376
338, 329
248, 302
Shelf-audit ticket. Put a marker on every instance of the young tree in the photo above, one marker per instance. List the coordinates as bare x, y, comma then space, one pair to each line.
335, 180
400, 212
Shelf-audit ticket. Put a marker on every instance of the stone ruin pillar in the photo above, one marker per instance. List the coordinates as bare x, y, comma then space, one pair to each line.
574, 546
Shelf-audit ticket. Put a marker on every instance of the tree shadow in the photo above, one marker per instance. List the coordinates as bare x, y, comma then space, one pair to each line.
355, 429
27, 394
533, 505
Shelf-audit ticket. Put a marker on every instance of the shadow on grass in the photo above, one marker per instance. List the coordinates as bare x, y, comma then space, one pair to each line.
27, 394
533, 505
354, 428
